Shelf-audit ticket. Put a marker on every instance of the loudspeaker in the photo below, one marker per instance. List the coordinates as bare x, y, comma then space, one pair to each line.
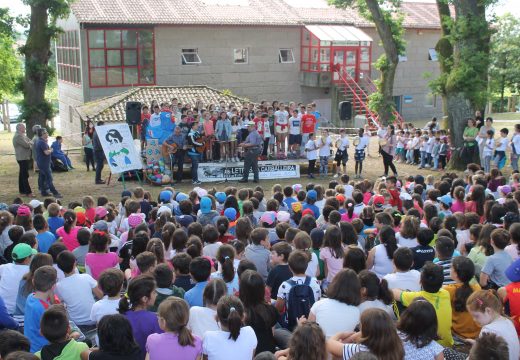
345, 110
133, 112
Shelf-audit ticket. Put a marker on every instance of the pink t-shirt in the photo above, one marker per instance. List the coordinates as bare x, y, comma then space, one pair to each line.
90, 213
457, 206
70, 240
97, 262
334, 265
345, 217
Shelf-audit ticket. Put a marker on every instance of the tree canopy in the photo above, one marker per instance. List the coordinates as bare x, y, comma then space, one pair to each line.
9, 63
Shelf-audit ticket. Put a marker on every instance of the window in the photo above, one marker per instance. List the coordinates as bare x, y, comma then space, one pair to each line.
430, 100
240, 56
432, 55
67, 57
190, 56
121, 57
403, 58
285, 56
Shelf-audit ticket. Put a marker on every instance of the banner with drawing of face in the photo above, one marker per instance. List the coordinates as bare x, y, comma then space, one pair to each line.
119, 148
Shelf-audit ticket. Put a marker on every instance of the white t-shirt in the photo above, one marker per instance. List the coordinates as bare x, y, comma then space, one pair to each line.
349, 189
295, 125
504, 327
202, 319
503, 144
325, 146
312, 267
104, 307
283, 290
334, 316
76, 292
10, 276
211, 249
382, 264
311, 147
406, 242
218, 346
489, 147
358, 208
281, 117
376, 304
344, 143
462, 239
363, 142
516, 142
409, 280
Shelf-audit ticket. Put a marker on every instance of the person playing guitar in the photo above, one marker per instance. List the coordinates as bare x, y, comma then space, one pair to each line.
174, 146
195, 151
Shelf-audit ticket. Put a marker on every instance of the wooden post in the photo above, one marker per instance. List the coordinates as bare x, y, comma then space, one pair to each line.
7, 119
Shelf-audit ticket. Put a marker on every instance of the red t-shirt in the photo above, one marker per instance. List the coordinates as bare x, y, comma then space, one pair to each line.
513, 296
143, 117
259, 124
396, 200
308, 124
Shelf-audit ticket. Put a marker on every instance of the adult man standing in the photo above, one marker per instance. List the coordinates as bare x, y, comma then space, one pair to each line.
175, 143
308, 127
22, 149
252, 148
99, 155
43, 159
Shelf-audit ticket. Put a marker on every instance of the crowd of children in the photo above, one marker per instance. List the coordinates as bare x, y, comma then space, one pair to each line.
393, 269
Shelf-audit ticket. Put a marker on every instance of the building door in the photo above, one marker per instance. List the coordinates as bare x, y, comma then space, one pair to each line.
347, 58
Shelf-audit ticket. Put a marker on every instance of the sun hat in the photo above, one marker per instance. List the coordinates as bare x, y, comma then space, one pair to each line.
22, 251
35, 203
283, 216
100, 225
205, 205
23, 210
221, 197
134, 220
230, 213
312, 195
101, 212
165, 196
445, 199
307, 212
269, 217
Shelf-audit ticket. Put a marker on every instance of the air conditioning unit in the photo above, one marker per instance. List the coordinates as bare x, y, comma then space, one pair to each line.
325, 79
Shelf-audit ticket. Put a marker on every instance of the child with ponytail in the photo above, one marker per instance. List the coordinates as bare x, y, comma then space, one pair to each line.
380, 256
486, 309
226, 269
177, 339
233, 340
99, 258
139, 297
462, 272
332, 253
69, 231
374, 293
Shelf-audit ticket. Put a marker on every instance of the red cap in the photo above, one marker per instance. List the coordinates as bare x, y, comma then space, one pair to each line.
307, 212
81, 219
340, 198
379, 201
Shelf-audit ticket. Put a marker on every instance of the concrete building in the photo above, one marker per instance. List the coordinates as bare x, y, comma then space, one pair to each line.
287, 50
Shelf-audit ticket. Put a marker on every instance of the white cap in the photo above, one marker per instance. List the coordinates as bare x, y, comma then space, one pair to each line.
163, 209
35, 203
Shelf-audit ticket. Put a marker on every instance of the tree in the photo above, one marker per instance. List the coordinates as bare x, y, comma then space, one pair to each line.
504, 70
388, 21
9, 63
36, 110
463, 52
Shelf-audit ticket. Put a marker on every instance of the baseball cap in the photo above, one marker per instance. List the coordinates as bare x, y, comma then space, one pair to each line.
307, 212
23, 210
163, 209
296, 206
268, 217
505, 189
220, 196
200, 191
230, 213
35, 203
312, 194
513, 271
101, 212
249, 123
165, 196
81, 219
205, 205
126, 193
379, 201
297, 187
22, 251
100, 225
181, 197
445, 199
283, 216
340, 198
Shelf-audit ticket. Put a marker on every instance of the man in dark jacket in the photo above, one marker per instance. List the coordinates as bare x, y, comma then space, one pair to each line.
99, 155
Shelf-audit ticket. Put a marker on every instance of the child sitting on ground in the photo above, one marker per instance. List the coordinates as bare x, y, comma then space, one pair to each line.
423, 252
82, 250
200, 270
403, 277
100, 258
110, 282
444, 248
493, 274
181, 266
164, 278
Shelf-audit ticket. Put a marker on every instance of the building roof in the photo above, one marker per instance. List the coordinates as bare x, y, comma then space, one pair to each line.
112, 108
238, 13
338, 33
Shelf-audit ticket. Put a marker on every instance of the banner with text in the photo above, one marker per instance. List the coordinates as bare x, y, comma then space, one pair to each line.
233, 171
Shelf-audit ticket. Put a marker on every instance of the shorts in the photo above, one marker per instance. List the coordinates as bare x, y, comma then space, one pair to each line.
341, 156
295, 139
359, 155
282, 129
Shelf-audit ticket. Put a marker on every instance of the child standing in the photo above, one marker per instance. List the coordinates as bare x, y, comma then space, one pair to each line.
177, 339
101, 258
489, 147
324, 152
223, 132
485, 307
362, 143
500, 152
436, 148
310, 150
443, 152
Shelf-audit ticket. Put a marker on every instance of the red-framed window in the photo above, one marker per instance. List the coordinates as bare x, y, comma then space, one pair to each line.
121, 57
68, 63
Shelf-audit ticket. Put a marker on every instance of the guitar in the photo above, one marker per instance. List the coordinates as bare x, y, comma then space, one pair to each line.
169, 149
201, 148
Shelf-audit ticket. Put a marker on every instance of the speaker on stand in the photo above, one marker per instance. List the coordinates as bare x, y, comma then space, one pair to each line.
345, 110
133, 114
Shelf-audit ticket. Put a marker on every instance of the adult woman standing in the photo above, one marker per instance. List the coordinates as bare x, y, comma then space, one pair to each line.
469, 148
388, 150
482, 136
22, 149
88, 147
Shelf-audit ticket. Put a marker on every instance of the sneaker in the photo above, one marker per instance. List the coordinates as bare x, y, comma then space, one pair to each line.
196, 182
336, 175
427, 166
57, 195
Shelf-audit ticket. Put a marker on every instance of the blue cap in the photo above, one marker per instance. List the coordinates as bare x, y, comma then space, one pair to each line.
230, 213
181, 196
220, 196
126, 193
312, 194
205, 205
165, 196
445, 199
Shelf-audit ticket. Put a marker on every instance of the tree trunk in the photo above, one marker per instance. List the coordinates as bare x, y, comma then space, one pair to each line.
37, 53
459, 111
502, 90
392, 59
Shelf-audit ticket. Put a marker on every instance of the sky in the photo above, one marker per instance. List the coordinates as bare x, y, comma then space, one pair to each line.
503, 6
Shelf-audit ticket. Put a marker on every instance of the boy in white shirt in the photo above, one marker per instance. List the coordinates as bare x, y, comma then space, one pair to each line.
12, 273
77, 292
488, 150
324, 152
359, 154
515, 147
110, 282
310, 150
500, 152
295, 134
403, 277
342, 154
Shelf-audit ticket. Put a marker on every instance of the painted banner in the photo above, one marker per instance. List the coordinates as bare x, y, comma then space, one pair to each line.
153, 150
119, 147
209, 172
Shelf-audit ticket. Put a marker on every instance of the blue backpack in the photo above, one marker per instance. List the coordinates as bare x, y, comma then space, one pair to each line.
299, 303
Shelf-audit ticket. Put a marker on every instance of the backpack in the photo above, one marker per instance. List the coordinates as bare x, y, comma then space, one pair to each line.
299, 302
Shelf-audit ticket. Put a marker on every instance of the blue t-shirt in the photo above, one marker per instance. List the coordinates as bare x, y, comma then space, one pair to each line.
314, 209
42, 159
34, 310
54, 224
45, 240
288, 202
194, 296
